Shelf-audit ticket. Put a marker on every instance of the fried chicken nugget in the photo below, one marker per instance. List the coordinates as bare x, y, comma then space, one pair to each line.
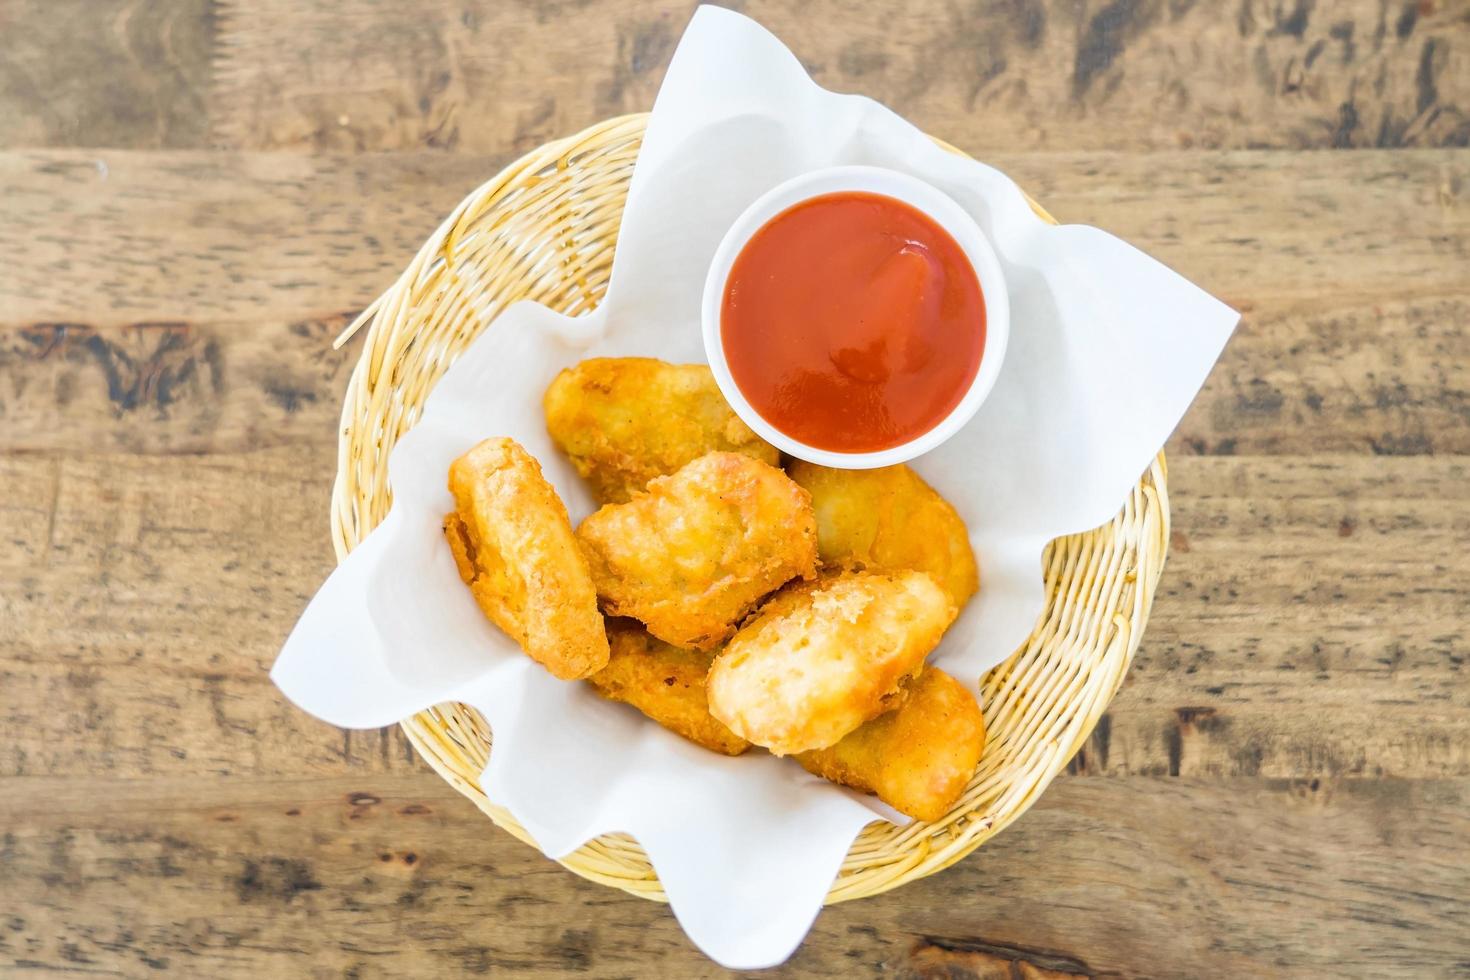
917, 759
691, 556
889, 518
819, 660
625, 420
513, 545
665, 683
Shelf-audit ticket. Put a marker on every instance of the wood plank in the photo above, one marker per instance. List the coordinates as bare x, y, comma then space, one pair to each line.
1350, 269
483, 77
116, 73
1309, 623
1346, 374
1259, 228
395, 875
143, 601
183, 236
1279, 789
107, 238
1335, 374
173, 386
1296, 617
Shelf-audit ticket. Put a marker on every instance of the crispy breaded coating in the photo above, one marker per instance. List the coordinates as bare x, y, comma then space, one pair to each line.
819, 660
917, 759
889, 518
691, 556
665, 683
513, 545
625, 420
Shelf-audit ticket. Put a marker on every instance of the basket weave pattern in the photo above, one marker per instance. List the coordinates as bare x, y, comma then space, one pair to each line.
545, 229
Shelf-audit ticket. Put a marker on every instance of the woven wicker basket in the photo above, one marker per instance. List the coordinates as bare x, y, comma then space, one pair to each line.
544, 229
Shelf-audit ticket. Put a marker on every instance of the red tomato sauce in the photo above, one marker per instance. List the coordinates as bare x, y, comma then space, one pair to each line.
852, 322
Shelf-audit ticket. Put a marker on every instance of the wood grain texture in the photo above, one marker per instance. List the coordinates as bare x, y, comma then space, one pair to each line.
133, 315
989, 75
172, 386
379, 876
1356, 563
104, 238
114, 73
1335, 374
195, 567
187, 216
1330, 591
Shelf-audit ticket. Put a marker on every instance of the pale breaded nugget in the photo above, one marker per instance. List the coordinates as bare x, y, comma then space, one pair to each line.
819, 660
665, 683
917, 759
625, 420
691, 556
514, 547
889, 518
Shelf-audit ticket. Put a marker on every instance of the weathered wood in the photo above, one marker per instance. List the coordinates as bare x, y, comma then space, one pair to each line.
1280, 787
116, 73
1335, 374
173, 386
104, 238
1351, 270
112, 238
489, 77
1355, 373
381, 875
219, 236
991, 75
1309, 625
143, 601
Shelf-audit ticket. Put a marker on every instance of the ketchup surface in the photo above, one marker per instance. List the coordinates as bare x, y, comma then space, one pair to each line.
852, 322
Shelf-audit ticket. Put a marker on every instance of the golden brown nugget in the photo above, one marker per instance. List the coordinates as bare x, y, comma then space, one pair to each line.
917, 759
691, 556
819, 660
665, 683
625, 420
889, 518
513, 545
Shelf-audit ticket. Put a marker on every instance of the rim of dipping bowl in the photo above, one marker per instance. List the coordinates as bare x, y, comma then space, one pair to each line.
937, 207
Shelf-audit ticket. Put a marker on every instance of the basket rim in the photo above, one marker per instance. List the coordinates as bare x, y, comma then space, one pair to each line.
614, 859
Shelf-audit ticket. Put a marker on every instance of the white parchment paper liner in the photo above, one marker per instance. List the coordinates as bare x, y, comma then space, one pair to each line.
1107, 349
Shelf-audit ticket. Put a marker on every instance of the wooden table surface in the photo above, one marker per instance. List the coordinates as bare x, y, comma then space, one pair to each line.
196, 195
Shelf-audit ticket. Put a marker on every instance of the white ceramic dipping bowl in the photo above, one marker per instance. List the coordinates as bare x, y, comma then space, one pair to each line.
939, 208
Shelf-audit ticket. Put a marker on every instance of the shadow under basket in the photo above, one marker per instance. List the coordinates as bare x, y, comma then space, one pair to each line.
545, 229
